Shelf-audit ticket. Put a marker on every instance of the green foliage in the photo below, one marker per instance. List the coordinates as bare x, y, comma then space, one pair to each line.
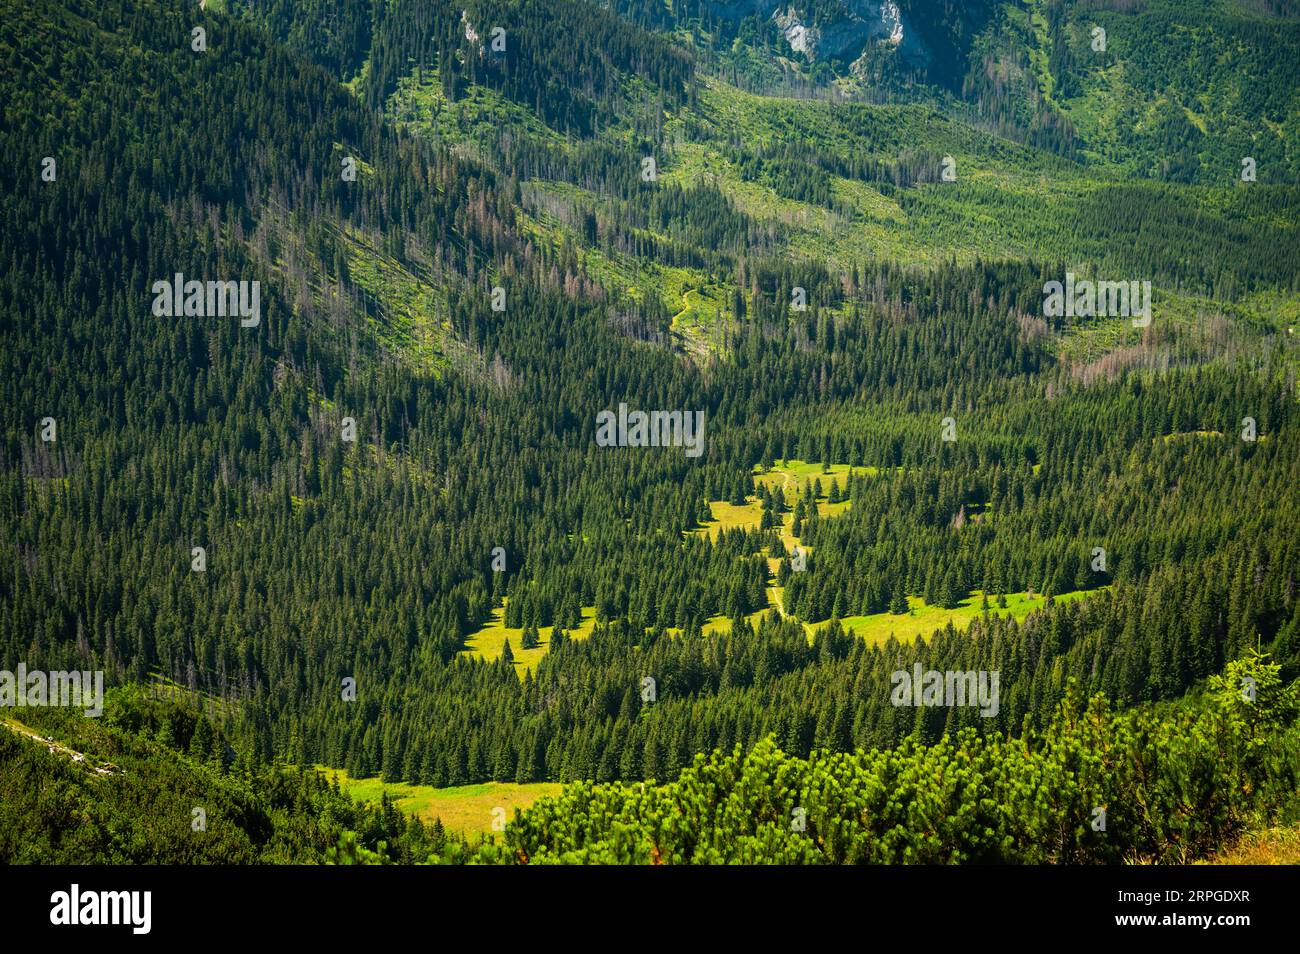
1174, 782
124, 789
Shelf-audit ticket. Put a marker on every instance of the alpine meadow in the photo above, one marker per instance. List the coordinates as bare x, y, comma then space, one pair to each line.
648, 432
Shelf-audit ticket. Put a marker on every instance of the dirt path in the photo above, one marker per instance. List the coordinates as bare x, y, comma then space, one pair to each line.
79, 757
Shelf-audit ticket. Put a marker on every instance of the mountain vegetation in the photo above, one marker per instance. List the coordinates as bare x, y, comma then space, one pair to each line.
468, 244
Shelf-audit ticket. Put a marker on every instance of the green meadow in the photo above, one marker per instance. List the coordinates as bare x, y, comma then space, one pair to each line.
461, 808
489, 642
922, 620
789, 476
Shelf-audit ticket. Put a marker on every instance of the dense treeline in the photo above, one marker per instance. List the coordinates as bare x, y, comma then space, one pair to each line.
582, 715
1174, 783
565, 59
334, 33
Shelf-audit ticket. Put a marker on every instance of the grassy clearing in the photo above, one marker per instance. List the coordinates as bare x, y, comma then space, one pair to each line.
722, 624
462, 808
1184, 325
490, 641
696, 300
926, 225
472, 808
789, 476
413, 311
480, 113
698, 303
922, 620
1272, 846
729, 516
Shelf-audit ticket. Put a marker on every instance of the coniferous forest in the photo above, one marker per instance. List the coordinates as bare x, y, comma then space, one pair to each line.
311, 314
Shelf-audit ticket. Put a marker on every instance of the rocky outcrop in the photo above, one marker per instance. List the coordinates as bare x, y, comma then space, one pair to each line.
836, 31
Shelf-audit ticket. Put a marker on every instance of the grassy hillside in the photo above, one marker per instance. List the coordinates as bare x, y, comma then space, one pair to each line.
151, 782
840, 183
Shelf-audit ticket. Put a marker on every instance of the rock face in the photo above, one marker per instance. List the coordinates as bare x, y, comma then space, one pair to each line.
838, 30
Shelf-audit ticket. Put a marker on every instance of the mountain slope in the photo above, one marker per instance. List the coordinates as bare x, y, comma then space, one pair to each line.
312, 516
